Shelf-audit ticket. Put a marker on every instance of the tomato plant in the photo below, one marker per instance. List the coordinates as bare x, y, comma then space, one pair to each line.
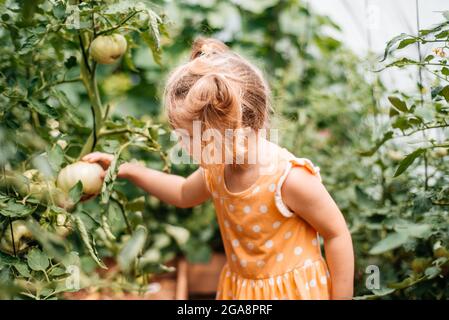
410, 154
70, 84
52, 113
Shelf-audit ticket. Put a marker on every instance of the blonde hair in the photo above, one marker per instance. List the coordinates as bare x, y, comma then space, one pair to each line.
219, 88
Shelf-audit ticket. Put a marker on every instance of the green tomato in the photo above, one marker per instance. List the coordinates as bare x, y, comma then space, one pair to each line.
395, 155
22, 236
62, 225
108, 49
34, 175
90, 174
440, 152
44, 190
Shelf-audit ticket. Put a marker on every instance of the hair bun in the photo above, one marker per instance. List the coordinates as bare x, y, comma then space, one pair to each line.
206, 46
215, 100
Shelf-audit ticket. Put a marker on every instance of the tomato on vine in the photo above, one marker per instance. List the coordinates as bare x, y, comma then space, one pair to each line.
17, 240
90, 175
108, 49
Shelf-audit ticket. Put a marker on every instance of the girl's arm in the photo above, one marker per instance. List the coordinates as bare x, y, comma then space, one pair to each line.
305, 195
172, 189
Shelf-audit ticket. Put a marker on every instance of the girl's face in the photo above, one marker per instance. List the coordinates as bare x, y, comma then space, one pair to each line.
206, 147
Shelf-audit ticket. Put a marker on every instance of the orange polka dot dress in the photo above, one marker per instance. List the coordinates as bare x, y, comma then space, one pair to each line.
271, 252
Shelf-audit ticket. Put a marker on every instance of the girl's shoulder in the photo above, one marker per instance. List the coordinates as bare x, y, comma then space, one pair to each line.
300, 177
294, 161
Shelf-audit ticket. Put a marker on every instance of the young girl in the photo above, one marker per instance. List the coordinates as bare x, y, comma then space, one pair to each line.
271, 211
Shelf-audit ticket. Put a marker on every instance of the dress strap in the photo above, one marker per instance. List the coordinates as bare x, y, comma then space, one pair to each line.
302, 162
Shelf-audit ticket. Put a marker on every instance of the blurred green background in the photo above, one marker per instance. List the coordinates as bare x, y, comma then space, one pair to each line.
330, 106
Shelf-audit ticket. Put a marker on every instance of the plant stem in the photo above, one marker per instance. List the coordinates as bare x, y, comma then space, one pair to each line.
120, 23
88, 76
12, 237
122, 210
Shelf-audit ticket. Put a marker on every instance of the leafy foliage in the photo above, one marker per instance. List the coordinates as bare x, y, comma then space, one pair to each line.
56, 104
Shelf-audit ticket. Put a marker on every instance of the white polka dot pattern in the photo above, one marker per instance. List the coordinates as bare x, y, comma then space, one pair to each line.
298, 251
280, 257
269, 244
270, 256
263, 209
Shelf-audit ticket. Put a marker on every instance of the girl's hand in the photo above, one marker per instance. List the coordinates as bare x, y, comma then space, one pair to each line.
125, 170
103, 159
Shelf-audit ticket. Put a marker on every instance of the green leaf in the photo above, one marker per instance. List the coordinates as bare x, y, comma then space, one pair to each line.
407, 161
132, 248
402, 63
180, 234
429, 58
6, 259
445, 71
255, 6
154, 21
197, 252
38, 260
22, 268
88, 242
398, 104
413, 230
109, 179
432, 272
404, 43
393, 112
111, 175
391, 43
151, 43
445, 93
43, 108
70, 110
128, 59
56, 157
387, 136
155, 268
383, 291
51, 243
71, 259
392, 241
137, 204
15, 210
110, 146
76, 192
150, 256
442, 35
59, 10
57, 272
377, 293
402, 122
106, 227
